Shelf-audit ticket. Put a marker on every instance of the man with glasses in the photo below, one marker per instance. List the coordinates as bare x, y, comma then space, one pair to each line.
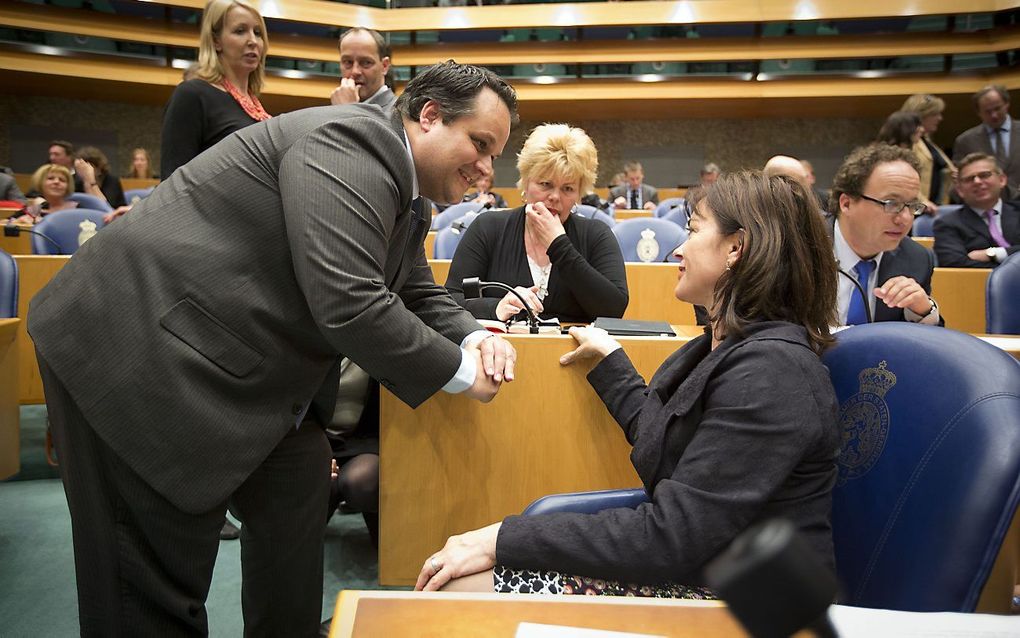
875, 198
986, 230
997, 135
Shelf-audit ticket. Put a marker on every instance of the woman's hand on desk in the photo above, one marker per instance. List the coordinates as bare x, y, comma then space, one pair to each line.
510, 305
463, 555
592, 343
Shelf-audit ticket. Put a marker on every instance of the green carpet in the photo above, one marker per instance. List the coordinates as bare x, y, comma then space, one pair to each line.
37, 584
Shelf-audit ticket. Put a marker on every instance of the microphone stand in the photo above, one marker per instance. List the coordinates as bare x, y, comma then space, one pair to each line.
473, 286
10, 230
860, 289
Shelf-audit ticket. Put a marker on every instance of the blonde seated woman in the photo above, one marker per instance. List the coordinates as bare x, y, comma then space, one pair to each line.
56, 184
141, 165
737, 426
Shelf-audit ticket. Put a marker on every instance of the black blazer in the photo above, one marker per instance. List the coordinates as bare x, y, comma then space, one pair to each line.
588, 277
961, 231
722, 439
909, 259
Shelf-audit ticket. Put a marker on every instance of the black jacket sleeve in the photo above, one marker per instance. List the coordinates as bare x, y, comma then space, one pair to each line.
598, 282
182, 129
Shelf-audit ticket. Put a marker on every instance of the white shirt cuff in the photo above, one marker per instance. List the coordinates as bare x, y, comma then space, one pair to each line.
465, 375
1000, 255
931, 319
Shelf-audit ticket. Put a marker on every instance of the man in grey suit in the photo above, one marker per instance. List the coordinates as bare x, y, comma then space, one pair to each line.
9, 190
998, 134
364, 63
181, 348
634, 193
874, 194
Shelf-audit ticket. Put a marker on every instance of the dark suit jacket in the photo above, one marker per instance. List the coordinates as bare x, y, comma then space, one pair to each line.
648, 194
722, 439
194, 331
909, 259
975, 140
961, 231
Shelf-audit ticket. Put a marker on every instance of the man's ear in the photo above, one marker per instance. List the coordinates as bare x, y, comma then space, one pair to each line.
385, 65
844, 202
429, 115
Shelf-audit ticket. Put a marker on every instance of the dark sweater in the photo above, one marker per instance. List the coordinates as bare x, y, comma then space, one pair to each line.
588, 278
722, 439
197, 116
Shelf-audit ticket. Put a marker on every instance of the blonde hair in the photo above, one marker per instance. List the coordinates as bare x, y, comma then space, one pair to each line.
924, 104
208, 67
558, 150
148, 164
43, 171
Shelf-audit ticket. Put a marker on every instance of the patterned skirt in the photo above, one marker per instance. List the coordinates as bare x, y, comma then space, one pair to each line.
523, 581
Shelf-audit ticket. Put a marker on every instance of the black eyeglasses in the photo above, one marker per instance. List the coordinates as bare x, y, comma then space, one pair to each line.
981, 176
894, 207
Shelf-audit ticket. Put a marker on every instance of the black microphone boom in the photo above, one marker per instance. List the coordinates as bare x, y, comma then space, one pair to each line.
860, 289
10, 230
473, 286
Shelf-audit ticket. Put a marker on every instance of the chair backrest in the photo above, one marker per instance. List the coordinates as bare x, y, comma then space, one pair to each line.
591, 212
924, 226
62, 227
648, 239
1002, 312
90, 202
667, 205
448, 238
8, 286
137, 193
453, 213
678, 216
929, 471
946, 208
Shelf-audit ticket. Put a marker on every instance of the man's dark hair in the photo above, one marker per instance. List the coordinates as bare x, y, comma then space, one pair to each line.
972, 158
860, 164
383, 49
64, 144
989, 88
454, 87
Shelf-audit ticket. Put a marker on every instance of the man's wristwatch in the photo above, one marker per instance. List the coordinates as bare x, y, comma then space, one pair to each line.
993, 255
930, 310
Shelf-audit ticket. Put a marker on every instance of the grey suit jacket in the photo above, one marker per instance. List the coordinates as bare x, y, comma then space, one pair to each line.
193, 332
648, 193
960, 231
9, 189
384, 100
975, 140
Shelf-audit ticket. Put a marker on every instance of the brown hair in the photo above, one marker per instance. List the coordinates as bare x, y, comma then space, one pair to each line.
787, 270
899, 128
860, 164
97, 158
989, 88
971, 158
131, 164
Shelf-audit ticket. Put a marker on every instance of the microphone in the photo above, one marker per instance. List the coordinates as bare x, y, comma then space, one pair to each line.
860, 289
773, 582
10, 230
473, 286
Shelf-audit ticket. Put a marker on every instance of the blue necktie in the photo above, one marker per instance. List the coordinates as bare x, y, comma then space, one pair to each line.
857, 314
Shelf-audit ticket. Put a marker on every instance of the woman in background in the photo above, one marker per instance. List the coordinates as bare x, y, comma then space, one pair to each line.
737, 426
141, 165
223, 96
937, 170
94, 169
56, 184
904, 129
564, 265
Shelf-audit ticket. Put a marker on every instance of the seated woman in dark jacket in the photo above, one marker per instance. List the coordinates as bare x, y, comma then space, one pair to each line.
564, 265
739, 425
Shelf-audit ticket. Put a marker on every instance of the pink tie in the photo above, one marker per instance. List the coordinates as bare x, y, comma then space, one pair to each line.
993, 228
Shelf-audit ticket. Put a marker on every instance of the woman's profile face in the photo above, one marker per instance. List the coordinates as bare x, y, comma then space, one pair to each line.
931, 122
559, 195
54, 186
702, 258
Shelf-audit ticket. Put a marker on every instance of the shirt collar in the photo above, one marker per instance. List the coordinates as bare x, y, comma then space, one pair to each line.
414, 173
382, 89
845, 255
1005, 126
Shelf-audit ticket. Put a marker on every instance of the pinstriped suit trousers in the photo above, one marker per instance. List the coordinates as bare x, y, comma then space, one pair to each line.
144, 567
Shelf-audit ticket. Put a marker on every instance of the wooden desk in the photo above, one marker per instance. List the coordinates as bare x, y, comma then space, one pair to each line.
927, 242
960, 293
34, 272
10, 448
650, 287
20, 245
430, 244
368, 614
623, 214
455, 464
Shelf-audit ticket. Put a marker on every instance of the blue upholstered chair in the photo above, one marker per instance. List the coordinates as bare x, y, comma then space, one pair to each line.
929, 474
452, 213
137, 193
63, 228
924, 226
8, 286
666, 205
448, 238
90, 202
678, 216
1002, 298
594, 213
666, 234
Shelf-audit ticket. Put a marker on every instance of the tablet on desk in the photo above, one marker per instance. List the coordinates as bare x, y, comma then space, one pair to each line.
634, 327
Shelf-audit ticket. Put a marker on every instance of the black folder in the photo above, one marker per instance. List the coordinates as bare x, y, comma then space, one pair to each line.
634, 327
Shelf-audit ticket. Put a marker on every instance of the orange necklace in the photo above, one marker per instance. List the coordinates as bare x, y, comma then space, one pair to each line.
249, 103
